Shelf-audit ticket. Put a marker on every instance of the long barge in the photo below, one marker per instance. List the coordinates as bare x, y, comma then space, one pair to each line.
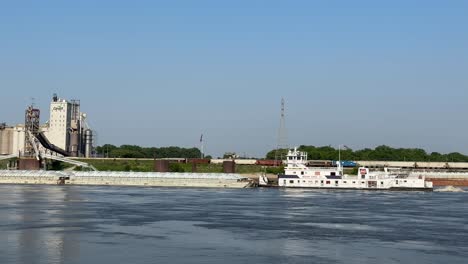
155, 179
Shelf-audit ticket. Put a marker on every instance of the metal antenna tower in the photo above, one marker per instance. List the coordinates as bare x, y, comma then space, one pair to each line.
282, 136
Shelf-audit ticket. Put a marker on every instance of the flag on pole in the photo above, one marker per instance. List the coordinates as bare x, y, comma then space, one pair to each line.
201, 147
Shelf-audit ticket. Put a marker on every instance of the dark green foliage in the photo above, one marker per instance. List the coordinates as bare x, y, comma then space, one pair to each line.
121, 165
275, 170
3, 164
57, 165
247, 168
380, 153
148, 165
281, 154
132, 151
176, 167
127, 167
353, 171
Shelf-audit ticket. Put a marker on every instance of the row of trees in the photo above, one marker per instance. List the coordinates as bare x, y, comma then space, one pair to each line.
381, 153
132, 151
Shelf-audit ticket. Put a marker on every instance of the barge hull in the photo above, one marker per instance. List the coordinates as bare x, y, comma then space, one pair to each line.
129, 182
126, 179
360, 189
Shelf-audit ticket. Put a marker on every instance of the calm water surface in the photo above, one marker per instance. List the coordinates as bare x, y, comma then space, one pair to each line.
79, 224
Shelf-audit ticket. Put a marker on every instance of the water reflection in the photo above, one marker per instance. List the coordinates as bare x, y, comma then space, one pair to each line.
29, 238
73, 224
44, 231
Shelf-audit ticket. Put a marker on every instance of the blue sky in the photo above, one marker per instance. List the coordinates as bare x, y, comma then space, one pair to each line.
154, 73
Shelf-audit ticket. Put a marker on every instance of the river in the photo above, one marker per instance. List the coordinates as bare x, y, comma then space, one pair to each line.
87, 224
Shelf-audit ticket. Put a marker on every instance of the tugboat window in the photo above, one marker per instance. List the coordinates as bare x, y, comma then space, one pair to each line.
291, 181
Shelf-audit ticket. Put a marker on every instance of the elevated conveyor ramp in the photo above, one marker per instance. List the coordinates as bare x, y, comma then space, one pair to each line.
46, 144
71, 161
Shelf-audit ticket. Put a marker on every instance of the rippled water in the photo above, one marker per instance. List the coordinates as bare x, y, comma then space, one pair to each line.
82, 224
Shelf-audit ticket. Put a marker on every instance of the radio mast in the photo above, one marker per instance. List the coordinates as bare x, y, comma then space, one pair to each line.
282, 136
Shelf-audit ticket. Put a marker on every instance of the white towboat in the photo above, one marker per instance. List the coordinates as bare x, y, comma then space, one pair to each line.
297, 174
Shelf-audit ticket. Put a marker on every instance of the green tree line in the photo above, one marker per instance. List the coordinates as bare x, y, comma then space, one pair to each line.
380, 153
132, 151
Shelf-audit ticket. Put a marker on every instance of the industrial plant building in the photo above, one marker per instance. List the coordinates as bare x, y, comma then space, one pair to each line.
11, 139
66, 133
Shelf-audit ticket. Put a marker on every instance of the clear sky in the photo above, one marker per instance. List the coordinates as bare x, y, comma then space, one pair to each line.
160, 73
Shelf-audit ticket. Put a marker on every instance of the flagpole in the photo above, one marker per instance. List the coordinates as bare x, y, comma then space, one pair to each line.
201, 147
339, 159
339, 153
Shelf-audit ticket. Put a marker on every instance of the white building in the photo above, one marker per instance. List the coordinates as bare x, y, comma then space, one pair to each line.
59, 124
66, 126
